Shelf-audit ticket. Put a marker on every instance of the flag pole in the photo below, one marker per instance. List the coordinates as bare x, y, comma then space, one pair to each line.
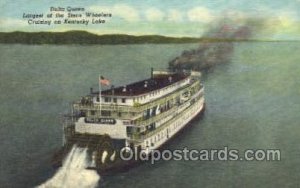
100, 94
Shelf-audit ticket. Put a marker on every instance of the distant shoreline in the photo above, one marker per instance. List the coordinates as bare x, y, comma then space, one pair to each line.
83, 37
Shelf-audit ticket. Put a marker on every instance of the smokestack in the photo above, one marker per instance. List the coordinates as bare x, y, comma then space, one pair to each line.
91, 90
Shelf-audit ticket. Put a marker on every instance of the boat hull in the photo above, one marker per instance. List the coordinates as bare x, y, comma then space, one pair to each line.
127, 165
119, 165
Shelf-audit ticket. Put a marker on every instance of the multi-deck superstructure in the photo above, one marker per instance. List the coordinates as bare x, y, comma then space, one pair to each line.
141, 115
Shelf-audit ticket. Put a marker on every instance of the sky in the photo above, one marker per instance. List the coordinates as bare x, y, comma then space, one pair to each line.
270, 19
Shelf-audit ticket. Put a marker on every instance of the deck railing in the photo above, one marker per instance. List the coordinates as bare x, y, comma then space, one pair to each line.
135, 109
147, 134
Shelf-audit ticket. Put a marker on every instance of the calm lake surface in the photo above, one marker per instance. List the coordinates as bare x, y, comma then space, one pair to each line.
252, 102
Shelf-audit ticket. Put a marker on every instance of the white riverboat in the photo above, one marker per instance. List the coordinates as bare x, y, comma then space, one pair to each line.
142, 115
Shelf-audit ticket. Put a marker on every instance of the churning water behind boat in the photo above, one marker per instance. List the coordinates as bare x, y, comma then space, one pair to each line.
73, 173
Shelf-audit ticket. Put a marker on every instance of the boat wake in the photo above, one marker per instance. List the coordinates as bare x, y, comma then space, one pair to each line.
73, 173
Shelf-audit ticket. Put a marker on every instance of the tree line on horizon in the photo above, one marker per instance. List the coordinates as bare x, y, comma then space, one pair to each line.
83, 37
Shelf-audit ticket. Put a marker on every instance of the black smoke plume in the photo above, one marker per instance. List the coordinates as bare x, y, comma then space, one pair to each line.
216, 46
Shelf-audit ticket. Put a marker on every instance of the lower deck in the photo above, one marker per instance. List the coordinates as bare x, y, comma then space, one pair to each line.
171, 127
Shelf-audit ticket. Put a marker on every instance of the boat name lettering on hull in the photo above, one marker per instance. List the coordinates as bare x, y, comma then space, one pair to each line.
107, 121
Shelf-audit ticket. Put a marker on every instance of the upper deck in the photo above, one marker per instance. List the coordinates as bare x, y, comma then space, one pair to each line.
160, 84
145, 86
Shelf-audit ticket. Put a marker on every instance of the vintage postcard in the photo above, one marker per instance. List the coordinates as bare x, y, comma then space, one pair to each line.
198, 93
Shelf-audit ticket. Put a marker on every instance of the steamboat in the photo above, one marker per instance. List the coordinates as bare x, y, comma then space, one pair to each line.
143, 116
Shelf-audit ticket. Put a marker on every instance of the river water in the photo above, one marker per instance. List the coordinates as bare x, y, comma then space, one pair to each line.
252, 102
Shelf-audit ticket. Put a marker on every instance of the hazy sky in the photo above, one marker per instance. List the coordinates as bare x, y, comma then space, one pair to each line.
271, 19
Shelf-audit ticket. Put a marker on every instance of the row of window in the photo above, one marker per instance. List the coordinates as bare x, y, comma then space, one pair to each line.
155, 139
161, 135
108, 99
156, 92
123, 100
